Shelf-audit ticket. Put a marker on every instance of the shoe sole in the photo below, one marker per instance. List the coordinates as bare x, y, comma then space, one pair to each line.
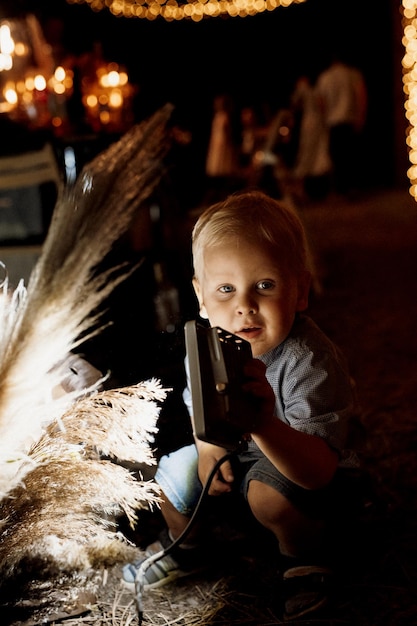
171, 577
313, 608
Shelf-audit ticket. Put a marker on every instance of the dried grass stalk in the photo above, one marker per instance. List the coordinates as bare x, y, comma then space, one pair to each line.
63, 518
40, 326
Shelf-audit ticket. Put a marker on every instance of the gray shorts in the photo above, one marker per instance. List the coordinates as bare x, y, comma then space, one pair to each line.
177, 476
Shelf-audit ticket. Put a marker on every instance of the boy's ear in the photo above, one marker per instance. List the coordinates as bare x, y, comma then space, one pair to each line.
304, 283
199, 294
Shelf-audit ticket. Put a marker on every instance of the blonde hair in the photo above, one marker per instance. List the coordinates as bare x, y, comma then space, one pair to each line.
257, 218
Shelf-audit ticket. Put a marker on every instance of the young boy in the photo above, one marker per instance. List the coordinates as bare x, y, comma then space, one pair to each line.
252, 278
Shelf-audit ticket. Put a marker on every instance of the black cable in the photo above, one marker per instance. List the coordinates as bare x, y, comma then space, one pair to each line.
140, 574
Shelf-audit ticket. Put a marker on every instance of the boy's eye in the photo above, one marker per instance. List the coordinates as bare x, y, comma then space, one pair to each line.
226, 288
265, 284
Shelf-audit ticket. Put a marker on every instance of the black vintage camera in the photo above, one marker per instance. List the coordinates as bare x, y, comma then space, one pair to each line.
216, 359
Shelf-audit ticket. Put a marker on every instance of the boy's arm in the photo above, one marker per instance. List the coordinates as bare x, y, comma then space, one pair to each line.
304, 458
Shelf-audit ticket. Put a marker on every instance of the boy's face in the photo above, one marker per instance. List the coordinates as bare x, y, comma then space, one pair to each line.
244, 290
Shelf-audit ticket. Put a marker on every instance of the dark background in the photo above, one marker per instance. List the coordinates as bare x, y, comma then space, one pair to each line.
256, 59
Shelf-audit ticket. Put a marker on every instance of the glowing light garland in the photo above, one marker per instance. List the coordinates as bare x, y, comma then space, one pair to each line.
409, 63
195, 10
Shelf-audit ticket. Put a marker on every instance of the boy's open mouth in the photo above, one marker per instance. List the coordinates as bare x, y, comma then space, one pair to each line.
249, 329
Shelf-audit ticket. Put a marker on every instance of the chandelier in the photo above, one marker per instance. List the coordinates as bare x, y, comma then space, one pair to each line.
32, 88
35, 90
174, 10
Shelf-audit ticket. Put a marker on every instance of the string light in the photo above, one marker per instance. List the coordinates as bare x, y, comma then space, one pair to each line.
409, 64
195, 10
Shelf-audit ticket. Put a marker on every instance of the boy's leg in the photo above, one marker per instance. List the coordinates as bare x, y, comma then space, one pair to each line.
176, 522
298, 536
178, 479
306, 576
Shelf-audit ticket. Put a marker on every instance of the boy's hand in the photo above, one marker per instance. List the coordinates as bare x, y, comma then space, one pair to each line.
260, 397
208, 455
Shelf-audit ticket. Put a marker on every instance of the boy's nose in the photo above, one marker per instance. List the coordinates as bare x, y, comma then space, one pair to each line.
246, 306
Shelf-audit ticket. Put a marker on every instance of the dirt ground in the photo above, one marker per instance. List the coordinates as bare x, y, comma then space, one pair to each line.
366, 300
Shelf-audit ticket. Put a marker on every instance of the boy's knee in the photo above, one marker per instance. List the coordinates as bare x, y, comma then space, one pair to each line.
177, 477
267, 504
297, 534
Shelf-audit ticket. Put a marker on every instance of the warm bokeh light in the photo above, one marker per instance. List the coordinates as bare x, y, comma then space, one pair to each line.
20, 49
409, 63
59, 74
31, 90
196, 10
39, 82
11, 96
91, 101
107, 98
30, 83
6, 42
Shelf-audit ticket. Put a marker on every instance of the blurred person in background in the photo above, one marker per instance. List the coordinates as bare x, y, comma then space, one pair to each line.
312, 165
222, 158
342, 92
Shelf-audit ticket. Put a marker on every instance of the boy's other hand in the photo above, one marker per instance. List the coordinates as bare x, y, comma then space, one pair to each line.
208, 455
260, 397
